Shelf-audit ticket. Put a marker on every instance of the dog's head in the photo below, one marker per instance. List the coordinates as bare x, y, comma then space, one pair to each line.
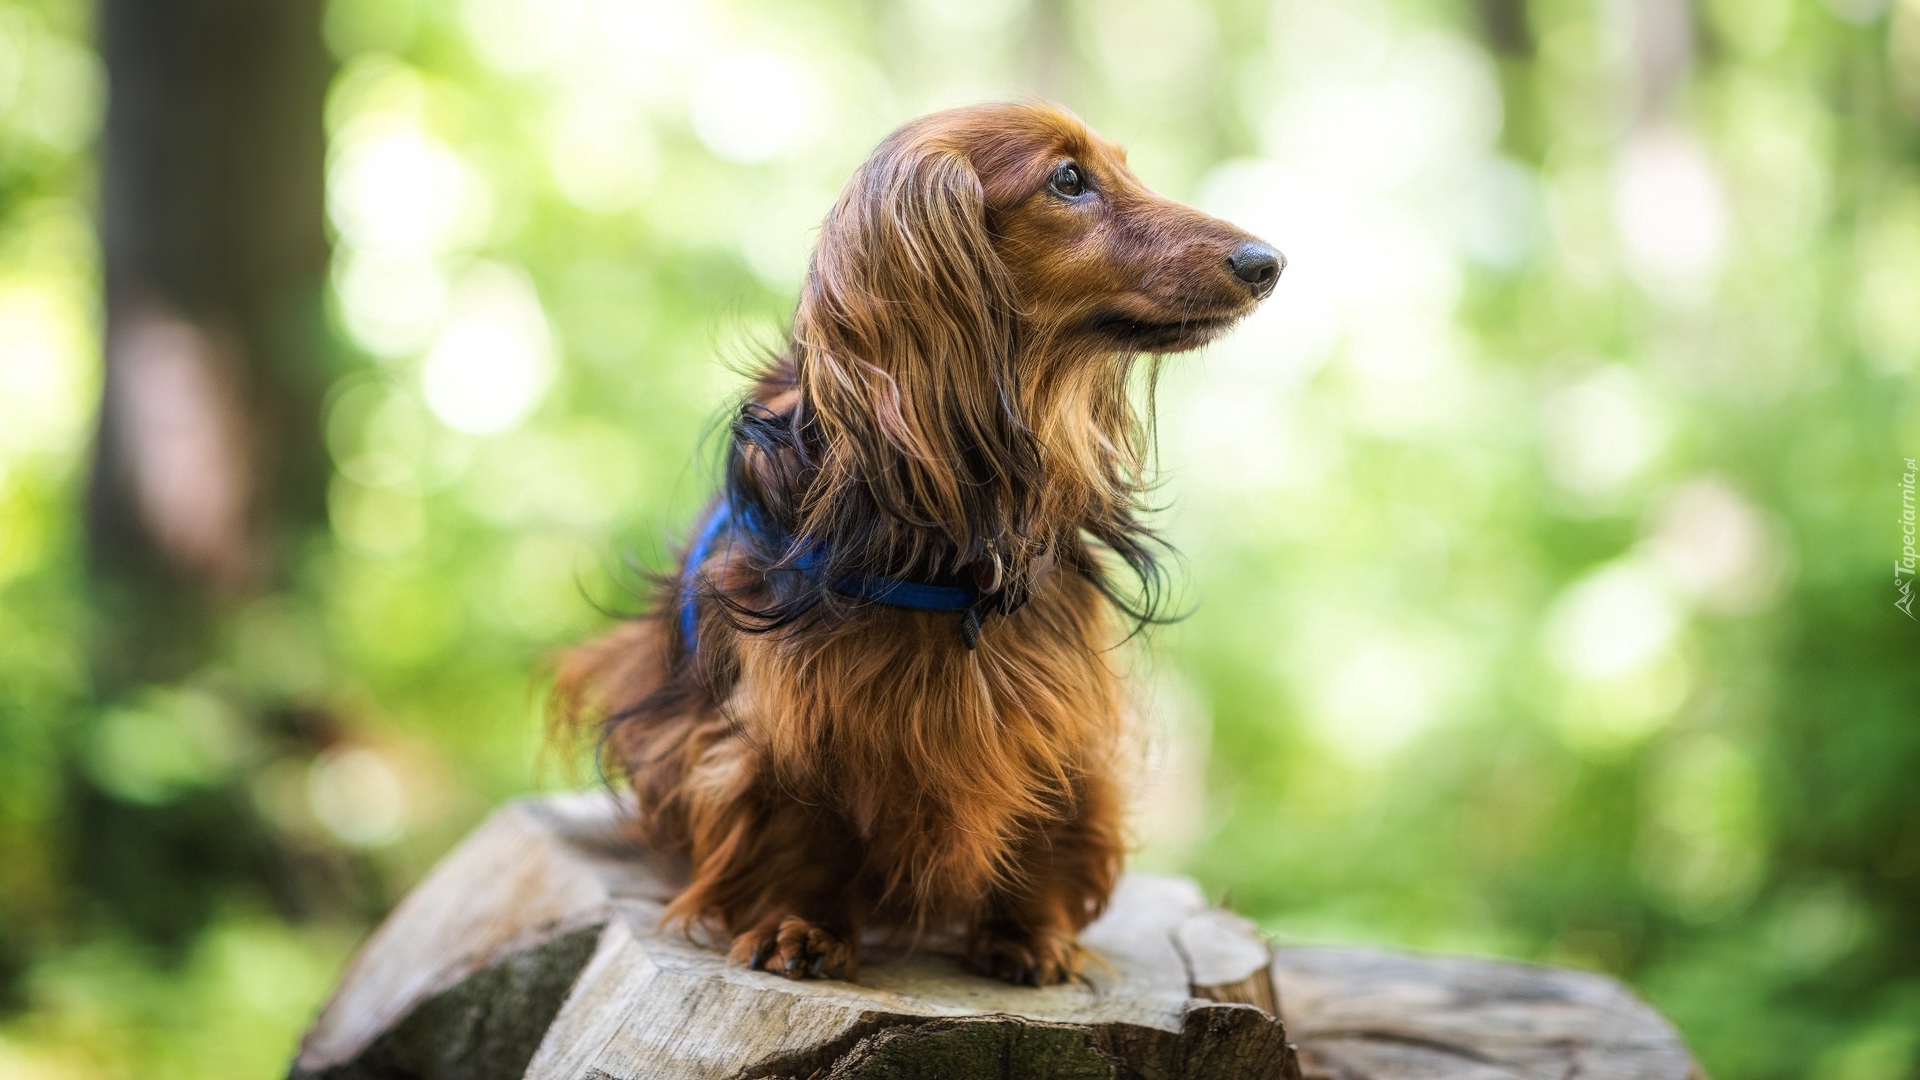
973, 308
1094, 255
993, 212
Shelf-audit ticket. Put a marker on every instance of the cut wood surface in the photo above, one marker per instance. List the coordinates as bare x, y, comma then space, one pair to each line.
534, 950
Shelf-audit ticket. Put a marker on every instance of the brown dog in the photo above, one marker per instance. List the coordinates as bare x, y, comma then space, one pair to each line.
878, 691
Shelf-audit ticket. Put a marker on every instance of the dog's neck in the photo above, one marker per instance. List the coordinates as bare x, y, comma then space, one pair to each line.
1001, 516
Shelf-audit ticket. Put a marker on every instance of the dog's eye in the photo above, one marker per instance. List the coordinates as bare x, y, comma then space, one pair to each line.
1068, 181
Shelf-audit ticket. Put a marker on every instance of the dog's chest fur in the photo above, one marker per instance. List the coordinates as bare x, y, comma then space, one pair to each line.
938, 760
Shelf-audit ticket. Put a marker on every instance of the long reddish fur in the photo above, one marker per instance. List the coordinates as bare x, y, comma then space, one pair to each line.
954, 400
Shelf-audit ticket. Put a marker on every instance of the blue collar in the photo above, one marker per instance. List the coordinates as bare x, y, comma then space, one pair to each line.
893, 592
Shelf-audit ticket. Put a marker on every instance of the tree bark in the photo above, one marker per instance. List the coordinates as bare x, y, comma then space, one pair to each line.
534, 950
208, 461
208, 469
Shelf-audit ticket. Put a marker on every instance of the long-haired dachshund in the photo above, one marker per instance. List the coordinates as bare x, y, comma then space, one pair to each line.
878, 690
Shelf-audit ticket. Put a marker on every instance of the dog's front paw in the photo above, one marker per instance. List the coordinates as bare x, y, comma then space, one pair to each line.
1028, 958
798, 949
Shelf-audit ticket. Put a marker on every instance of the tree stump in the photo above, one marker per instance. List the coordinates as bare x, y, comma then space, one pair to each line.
534, 950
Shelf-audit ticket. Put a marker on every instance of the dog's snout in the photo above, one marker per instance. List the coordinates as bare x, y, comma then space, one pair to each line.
1257, 265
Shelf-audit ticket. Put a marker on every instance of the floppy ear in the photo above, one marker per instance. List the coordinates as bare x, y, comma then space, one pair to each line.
905, 346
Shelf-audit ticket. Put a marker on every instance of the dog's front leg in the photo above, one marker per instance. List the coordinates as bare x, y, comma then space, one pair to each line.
791, 907
774, 870
1027, 933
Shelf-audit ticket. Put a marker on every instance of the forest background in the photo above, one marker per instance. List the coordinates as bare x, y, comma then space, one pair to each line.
1545, 530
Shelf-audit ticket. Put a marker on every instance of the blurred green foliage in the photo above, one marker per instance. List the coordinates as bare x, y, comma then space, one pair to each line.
1543, 526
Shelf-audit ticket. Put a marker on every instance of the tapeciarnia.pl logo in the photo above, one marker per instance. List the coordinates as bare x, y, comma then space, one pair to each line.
1903, 568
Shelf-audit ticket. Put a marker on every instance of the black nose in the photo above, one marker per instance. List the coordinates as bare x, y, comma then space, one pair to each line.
1258, 265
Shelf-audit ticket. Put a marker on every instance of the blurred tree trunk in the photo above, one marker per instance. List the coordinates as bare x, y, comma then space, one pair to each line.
209, 465
1052, 69
1505, 28
209, 469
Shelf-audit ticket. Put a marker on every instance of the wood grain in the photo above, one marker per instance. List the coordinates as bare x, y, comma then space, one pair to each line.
534, 950
1364, 1014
